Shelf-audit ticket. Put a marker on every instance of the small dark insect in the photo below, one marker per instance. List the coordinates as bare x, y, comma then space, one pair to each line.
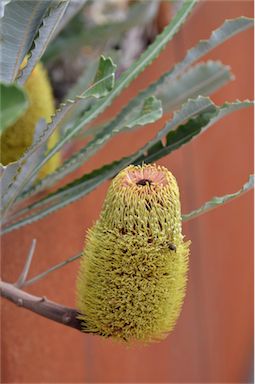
172, 247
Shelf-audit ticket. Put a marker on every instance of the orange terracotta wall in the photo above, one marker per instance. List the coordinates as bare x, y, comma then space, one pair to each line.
212, 341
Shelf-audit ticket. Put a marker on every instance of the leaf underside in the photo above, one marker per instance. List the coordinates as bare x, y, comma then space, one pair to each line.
19, 26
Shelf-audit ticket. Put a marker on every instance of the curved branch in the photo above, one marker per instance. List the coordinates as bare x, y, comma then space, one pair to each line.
40, 305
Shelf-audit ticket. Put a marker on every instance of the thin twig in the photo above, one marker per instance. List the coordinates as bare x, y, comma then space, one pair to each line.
40, 305
22, 279
52, 269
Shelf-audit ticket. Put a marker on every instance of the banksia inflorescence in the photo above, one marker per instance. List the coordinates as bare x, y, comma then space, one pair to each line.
18, 137
132, 278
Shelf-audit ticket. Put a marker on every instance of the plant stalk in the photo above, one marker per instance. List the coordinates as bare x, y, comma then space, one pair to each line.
43, 307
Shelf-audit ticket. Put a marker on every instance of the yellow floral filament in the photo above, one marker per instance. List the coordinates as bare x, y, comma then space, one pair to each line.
132, 277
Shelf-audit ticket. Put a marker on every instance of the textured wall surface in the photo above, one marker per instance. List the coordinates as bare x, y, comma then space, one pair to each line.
212, 341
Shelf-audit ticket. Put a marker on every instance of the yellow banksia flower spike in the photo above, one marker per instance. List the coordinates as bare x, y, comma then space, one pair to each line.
18, 137
133, 273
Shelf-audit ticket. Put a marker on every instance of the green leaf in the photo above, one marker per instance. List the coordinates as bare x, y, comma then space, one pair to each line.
14, 103
227, 30
146, 58
217, 201
177, 74
44, 132
201, 111
82, 83
45, 33
136, 68
139, 13
104, 80
202, 79
185, 132
150, 111
19, 26
82, 186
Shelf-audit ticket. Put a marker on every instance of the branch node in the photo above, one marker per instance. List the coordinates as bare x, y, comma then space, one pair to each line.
66, 318
43, 307
20, 302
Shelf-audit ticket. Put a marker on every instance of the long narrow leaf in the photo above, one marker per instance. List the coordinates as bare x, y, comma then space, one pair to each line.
140, 13
19, 26
146, 58
229, 29
202, 111
172, 78
82, 186
201, 79
45, 33
150, 111
104, 83
184, 133
217, 201
226, 31
136, 68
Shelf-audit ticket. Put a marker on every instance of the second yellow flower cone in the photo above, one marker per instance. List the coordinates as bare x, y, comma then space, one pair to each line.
133, 273
17, 138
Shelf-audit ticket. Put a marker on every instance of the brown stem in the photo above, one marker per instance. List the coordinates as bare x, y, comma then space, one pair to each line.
42, 306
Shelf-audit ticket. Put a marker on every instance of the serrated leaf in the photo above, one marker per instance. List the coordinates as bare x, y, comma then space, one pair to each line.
202, 111
82, 83
104, 80
14, 103
217, 201
44, 131
139, 13
146, 58
136, 68
185, 132
219, 36
150, 111
45, 33
8, 174
19, 26
226, 31
202, 79
77, 188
